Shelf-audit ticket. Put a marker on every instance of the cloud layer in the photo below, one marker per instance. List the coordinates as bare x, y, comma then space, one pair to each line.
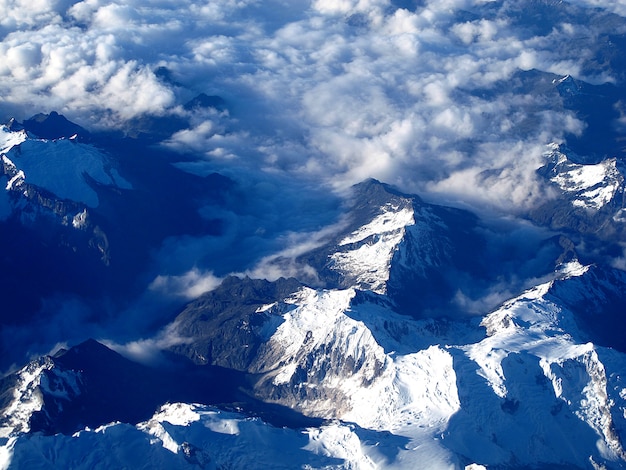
434, 97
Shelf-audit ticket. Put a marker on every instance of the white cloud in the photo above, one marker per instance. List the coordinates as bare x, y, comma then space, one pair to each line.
190, 285
149, 351
616, 6
320, 94
283, 262
31, 13
336, 91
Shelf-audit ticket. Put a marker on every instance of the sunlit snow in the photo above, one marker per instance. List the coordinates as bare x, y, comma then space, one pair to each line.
369, 262
26, 399
593, 185
66, 168
9, 139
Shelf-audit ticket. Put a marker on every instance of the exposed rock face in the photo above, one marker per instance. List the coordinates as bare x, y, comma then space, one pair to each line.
226, 327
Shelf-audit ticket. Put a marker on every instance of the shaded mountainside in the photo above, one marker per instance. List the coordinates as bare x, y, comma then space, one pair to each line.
224, 327
82, 216
90, 385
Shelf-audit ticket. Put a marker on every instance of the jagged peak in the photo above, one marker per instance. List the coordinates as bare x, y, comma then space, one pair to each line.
373, 190
54, 126
204, 101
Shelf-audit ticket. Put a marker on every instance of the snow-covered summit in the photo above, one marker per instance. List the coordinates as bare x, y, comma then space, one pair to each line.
365, 254
589, 186
535, 381
586, 194
577, 392
63, 167
389, 240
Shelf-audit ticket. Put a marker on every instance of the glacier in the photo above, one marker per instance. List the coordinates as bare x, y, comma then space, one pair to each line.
64, 167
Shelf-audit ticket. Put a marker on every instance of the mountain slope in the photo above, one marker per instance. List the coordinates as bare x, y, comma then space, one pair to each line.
348, 353
534, 383
590, 195
81, 217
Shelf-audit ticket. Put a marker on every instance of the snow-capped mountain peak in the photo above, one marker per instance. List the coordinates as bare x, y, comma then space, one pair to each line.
442, 391
63, 167
10, 139
589, 186
365, 254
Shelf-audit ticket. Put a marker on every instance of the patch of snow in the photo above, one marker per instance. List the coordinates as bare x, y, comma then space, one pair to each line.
27, 399
593, 185
80, 220
265, 308
392, 219
597, 197
10, 139
368, 263
17, 179
489, 359
572, 268
224, 426
285, 374
340, 441
584, 176
179, 414
160, 435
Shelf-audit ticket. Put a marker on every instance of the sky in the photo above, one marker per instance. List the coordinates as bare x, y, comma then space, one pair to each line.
430, 96
455, 100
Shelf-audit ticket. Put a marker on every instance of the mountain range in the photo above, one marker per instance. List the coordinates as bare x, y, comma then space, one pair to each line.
376, 354
382, 234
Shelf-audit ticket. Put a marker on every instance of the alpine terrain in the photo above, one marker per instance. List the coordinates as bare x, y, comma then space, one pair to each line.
372, 234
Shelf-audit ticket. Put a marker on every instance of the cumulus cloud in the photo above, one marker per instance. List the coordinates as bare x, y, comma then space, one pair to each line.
337, 91
452, 98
